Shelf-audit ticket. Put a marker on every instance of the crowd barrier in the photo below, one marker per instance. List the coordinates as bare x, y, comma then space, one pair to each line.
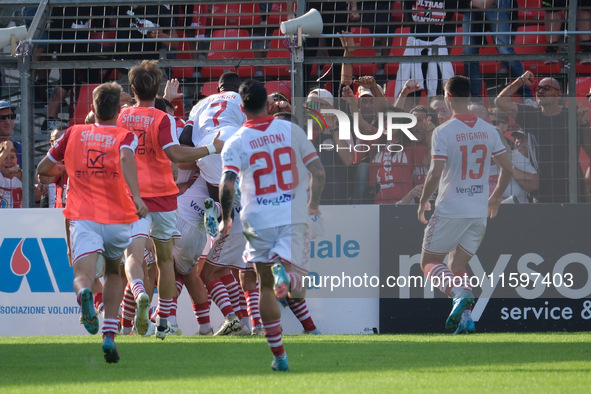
534, 268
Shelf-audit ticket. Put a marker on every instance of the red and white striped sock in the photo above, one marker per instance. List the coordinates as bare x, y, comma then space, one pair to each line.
465, 280
98, 302
441, 276
202, 314
110, 326
273, 335
127, 307
164, 306
137, 287
252, 307
219, 295
295, 281
300, 310
234, 291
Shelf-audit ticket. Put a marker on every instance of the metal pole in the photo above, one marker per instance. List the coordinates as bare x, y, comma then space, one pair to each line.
27, 133
573, 146
298, 76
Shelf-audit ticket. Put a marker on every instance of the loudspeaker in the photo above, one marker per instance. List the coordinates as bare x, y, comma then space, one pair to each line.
20, 33
311, 24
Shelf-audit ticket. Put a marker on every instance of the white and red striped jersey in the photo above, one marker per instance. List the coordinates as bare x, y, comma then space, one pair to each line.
466, 143
221, 112
270, 157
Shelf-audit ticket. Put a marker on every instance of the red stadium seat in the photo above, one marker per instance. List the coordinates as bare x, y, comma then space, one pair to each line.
530, 11
280, 12
536, 43
397, 49
209, 88
283, 87
229, 49
278, 50
235, 14
83, 102
184, 53
397, 15
364, 49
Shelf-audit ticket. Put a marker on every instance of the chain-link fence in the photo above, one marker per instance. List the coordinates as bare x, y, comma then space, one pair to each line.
72, 45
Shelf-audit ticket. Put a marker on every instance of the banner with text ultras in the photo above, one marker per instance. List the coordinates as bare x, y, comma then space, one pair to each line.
36, 290
531, 273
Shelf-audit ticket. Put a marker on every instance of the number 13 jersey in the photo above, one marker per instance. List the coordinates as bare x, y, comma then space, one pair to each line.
466, 143
270, 157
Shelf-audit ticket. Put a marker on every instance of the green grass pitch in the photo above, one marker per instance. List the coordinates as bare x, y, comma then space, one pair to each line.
537, 363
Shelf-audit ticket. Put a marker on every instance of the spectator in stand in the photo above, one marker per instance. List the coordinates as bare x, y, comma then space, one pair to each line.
426, 123
548, 130
554, 19
277, 103
440, 106
429, 17
525, 177
496, 19
335, 16
370, 102
7, 117
336, 161
375, 15
143, 22
11, 176
74, 23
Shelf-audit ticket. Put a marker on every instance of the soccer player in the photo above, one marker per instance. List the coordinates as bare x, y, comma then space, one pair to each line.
218, 113
460, 162
274, 161
158, 146
100, 211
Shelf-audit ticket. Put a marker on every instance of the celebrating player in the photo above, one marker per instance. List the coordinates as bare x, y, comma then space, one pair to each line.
218, 113
273, 163
99, 209
460, 163
158, 146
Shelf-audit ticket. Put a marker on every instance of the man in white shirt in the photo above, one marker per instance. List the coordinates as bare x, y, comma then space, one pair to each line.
274, 161
460, 164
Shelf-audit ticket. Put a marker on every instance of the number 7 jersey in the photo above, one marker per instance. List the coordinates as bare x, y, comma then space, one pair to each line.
466, 143
270, 157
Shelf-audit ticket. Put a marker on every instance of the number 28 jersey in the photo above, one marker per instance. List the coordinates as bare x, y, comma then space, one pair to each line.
270, 157
466, 143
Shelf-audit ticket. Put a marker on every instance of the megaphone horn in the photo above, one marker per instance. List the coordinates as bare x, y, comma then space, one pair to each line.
311, 24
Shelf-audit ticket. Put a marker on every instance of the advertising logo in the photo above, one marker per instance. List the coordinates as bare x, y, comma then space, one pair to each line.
41, 262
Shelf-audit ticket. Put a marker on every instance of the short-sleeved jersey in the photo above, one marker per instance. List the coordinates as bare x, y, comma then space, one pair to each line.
219, 112
97, 189
156, 131
11, 192
216, 112
466, 143
270, 156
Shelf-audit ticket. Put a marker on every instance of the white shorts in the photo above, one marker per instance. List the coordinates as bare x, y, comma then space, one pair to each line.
287, 243
187, 250
88, 237
227, 251
158, 225
444, 235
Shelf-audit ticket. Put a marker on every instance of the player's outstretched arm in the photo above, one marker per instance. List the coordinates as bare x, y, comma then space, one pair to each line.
227, 192
316, 185
129, 168
185, 154
505, 175
431, 184
48, 168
